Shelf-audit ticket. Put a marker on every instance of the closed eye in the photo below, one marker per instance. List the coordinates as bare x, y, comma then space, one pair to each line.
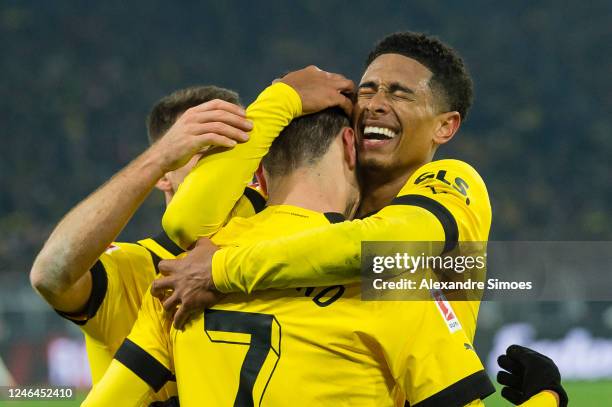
403, 96
366, 93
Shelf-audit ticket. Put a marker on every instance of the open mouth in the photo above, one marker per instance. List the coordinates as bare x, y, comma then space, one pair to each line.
378, 133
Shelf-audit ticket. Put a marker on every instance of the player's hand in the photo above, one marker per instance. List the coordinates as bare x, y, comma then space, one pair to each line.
528, 373
213, 123
190, 282
319, 89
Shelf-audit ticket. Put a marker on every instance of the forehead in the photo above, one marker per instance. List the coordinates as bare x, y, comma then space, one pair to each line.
389, 68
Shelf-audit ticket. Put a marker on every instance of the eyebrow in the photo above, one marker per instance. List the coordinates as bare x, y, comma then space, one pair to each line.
394, 86
369, 84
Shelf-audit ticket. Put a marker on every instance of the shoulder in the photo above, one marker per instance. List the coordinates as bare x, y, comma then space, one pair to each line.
449, 176
129, 262
459, 193
118, 249
440, 168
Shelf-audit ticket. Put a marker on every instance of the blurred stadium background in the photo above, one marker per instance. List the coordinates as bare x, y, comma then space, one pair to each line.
77, 80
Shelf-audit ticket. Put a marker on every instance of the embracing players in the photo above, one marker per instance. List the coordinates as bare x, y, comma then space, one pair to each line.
299, 347
377, 148
412, 98
98, 284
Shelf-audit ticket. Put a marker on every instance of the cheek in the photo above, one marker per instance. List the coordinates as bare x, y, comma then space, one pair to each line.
358, 110
416, 119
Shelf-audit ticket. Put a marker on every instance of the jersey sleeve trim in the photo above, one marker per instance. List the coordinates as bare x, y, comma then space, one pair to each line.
473, 387
258, 201
446, 218
145, 366
155, 259
164, 241
99, 286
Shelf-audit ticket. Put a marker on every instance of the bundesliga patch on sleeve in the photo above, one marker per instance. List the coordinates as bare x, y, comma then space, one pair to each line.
446, 310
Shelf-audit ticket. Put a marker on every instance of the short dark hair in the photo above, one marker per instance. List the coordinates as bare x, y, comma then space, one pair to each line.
450, 80
304, 141
167, 109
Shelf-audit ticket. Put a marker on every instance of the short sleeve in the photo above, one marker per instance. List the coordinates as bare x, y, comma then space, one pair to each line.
456, 194
147, 350
437, 365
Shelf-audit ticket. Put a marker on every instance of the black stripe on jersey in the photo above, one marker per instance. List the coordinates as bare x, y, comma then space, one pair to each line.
473, 387
258, 201
367, 215
164, 241
334, 217
99, 286
155, 259
451, 231
143, 365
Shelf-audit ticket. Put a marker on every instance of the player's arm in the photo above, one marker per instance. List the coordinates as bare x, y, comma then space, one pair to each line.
59, 272
542, 399
119, 387
530, 378
443, 202
431, 357
206, 197
143, 361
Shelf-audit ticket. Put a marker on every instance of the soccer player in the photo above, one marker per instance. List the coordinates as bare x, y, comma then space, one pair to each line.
412, 98
299, 347
99, 285
384, 103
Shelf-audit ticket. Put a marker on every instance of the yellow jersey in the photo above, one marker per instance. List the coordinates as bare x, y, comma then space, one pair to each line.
444, 201
305, 346
120, 277
202, 204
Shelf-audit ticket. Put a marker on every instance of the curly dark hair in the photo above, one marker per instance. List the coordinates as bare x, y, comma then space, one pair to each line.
450, 81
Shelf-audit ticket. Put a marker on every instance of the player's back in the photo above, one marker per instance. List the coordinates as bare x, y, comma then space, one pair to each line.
314, 346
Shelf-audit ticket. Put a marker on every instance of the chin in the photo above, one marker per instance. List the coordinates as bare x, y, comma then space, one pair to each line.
368, 165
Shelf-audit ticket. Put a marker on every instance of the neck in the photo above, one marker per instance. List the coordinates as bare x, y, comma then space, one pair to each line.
311, 188
168, 197
379, 188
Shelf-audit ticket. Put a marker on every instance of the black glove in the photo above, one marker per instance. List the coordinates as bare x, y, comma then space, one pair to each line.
530, 373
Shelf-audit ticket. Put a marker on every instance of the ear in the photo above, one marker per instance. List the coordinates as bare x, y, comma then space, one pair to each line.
348, 143
448, 125
164, 184
261, 179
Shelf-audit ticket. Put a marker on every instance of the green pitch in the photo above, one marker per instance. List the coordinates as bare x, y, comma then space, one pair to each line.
581, 394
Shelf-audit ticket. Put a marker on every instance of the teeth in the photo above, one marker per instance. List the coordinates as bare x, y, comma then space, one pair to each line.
380, 130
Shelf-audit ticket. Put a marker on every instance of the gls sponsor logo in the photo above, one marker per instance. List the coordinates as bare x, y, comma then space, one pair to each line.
459, 184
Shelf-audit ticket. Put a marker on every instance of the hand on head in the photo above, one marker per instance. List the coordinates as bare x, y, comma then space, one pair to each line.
320, 89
